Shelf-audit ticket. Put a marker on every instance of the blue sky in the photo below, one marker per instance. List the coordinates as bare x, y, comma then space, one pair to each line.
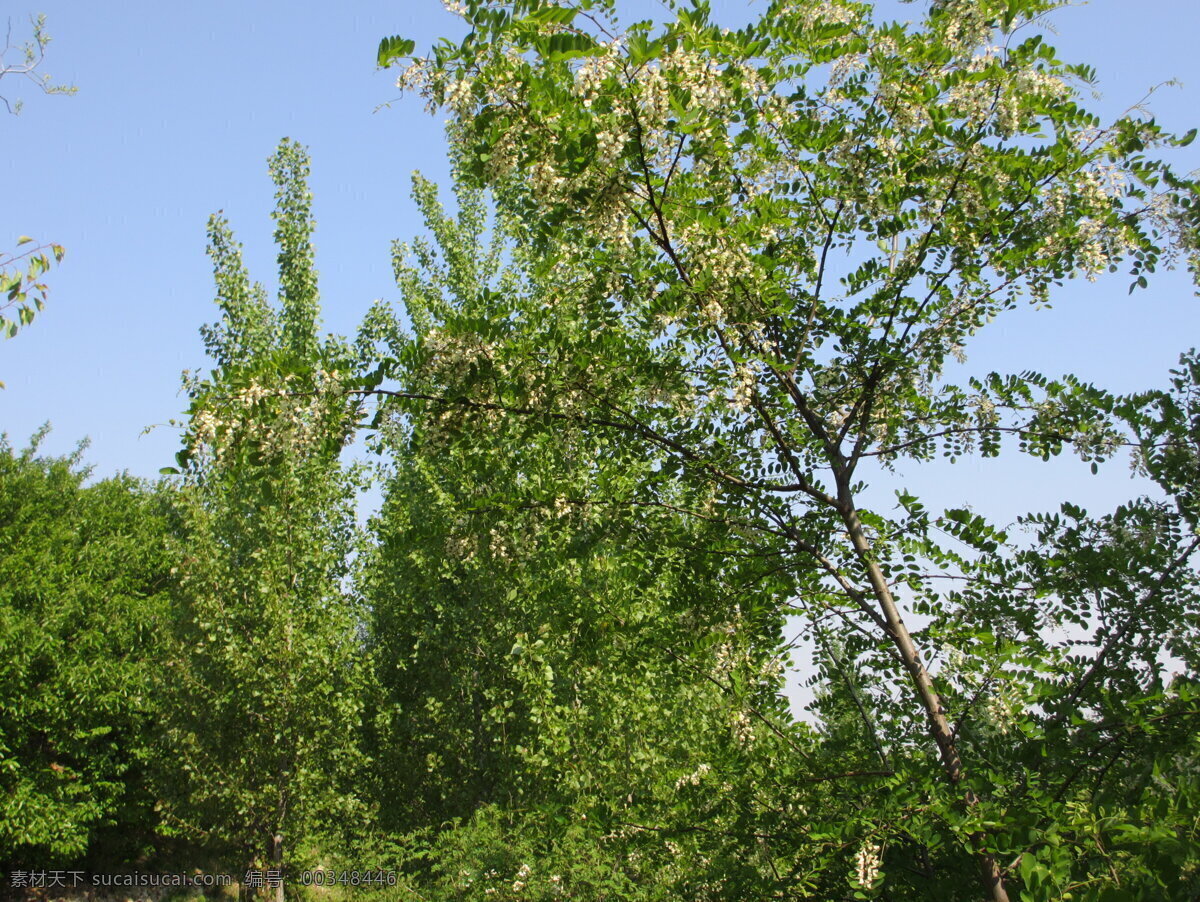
180, 104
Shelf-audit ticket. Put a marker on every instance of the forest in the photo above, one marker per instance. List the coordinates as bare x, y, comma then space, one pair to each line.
692, 297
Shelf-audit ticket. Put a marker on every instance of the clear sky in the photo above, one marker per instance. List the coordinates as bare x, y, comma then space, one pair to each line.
180, 104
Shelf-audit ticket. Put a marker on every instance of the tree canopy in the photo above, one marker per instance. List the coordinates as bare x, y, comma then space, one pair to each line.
83, 597
760, 252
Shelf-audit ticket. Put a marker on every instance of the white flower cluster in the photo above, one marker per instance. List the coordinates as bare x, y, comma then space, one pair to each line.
712, 312
838, 418
771, 669
451, 353
971, 100
907, 115
743, 388
725, 262
498, 546
608, 147
985, 411
594, 72
1003, 708
743, 729
1095, 253
522, 877
958, 667
966, 25
284, 418
1098, 442
1100, 184
1095, 243
998, 714
694, 778
458, 97
725, 660
866, 864
1037, 83
417, 77
810, 14
983, 59
846, 67
1003, 702
204, 429
701, 75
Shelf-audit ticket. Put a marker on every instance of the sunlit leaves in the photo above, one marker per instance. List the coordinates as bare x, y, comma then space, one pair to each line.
84, 572
265, 695
22, 291
763, 253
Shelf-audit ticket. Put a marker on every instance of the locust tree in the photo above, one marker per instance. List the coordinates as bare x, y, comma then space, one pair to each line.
764, 251
262, 693
565, 662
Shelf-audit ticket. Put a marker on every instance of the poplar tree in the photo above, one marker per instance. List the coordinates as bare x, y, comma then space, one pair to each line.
263, 696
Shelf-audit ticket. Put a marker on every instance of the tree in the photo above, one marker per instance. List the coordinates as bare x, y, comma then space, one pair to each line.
21, 271
765, 249
84, 575
561, 671
264, 694
33, 53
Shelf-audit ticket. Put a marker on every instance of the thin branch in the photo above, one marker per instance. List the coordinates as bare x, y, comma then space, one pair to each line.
632, 426
1134, 617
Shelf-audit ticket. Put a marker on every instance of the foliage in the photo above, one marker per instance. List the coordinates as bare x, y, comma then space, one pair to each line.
83, 580
559, 671
32, 54
21, 285
264, 697
21, 271
761, 253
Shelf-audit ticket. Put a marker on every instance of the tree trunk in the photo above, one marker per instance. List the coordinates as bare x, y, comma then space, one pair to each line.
277, 864
939, 726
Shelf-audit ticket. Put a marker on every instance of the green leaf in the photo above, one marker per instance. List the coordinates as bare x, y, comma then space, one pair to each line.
393, 48
552, 15
571, 46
